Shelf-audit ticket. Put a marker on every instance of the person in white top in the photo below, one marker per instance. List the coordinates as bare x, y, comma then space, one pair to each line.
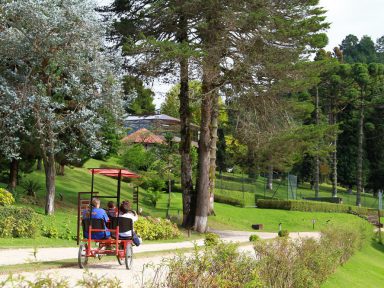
126, 212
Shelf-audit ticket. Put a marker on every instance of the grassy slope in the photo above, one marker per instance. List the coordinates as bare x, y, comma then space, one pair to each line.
228, 217
363, 270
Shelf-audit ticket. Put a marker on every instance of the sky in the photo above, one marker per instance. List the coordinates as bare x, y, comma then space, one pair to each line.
355, 17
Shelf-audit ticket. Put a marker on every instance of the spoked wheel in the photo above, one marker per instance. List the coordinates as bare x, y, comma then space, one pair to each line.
120, 257
128, 256
82, 257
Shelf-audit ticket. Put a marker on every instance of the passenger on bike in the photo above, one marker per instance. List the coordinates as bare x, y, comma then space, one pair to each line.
112, 210
126, 212
97, 213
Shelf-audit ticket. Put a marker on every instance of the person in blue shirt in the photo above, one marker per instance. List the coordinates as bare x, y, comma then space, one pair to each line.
97, 213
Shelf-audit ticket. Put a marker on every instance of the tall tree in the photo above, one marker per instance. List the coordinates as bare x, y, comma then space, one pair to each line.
55, 49
158, 37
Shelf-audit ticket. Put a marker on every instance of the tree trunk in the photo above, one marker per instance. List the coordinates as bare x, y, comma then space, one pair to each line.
360, 151
202, 203
39, 165
189, 197
332, 121
317, 159
50, 173
13, 172
270, 178
213, 149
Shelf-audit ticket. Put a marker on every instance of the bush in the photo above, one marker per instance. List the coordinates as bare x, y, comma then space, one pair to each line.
6, 197
150, 228
283, 233
18, 222
212, 266
254, 238
307, 263
336, 200
211, 239
50, 232
153, 197
31, 187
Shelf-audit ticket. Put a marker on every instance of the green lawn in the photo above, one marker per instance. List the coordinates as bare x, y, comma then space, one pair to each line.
365, 269
229, 217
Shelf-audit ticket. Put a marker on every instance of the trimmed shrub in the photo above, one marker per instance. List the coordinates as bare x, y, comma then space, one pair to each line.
228, 200
336, 200
6, 197
150, 228
254, 238
211, 239
18, 222
283, 233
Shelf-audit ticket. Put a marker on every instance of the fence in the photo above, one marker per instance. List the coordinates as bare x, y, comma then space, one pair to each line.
285, 186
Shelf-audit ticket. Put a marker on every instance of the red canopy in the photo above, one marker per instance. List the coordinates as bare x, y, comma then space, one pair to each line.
112, 172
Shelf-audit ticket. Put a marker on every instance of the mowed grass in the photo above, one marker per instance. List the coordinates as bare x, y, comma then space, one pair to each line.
365, 269
229, 217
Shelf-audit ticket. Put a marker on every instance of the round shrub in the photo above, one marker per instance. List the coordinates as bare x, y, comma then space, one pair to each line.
150, 228
283, 233
18, 222
6, 198
254, 238
211, 239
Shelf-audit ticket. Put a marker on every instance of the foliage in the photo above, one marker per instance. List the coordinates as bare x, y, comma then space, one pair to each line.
283, 233
6, 197
31, 187
307, 262
137, 158
94, 281
211, 239
138, 99
171, 105
213, 266
254, 237
150, 228
50, 231
18, 222
153, 196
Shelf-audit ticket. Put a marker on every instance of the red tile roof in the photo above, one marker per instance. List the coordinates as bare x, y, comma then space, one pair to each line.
143, 136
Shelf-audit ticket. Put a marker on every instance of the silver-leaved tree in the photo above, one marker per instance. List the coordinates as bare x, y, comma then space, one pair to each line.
54, 64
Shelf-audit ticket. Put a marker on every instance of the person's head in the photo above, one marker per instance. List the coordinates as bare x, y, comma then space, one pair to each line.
111, 205
125, 207
95, 202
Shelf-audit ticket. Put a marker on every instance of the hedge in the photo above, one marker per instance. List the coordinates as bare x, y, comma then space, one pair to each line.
336, 200
311, 206
18, 222
228, 200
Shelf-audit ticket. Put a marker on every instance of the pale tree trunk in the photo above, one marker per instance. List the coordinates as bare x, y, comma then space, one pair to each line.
13, 172
189, 197
317, 158
212, 168
270, 178
50, 175
202, 203
46, 137
360, 151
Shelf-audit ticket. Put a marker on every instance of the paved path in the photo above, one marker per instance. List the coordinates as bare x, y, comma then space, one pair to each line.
20, 256
144, 269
